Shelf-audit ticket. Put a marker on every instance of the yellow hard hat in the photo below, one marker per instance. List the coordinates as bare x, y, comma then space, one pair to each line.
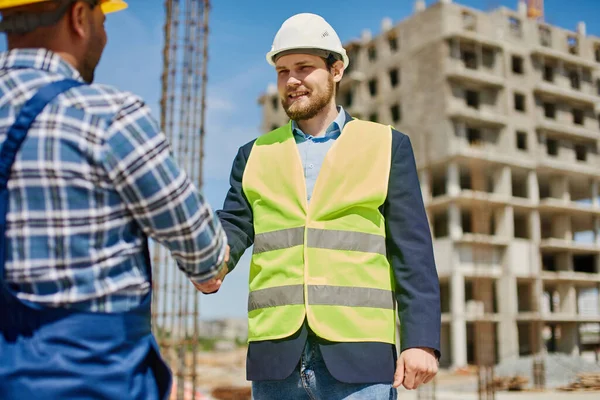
108, 6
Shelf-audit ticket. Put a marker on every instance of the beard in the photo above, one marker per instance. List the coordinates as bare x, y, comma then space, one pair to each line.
299, 112
92, 57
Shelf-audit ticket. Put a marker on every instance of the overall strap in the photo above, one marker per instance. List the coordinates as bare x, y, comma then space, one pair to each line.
14, 139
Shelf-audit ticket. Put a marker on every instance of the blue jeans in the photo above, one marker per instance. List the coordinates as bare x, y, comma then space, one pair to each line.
312, 381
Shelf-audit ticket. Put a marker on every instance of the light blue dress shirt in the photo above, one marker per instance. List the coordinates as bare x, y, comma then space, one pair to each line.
313, 149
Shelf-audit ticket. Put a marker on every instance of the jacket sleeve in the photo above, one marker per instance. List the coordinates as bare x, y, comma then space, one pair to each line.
236, 215
410, 250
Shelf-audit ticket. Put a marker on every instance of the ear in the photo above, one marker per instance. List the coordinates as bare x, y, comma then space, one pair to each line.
78, 18
337, 69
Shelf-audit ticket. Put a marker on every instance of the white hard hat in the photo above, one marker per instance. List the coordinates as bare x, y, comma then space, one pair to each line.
308, 32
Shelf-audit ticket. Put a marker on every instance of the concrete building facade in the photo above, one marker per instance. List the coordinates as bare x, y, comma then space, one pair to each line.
503, 114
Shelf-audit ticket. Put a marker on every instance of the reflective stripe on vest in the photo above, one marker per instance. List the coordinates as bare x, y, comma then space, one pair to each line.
326, 262
319, 238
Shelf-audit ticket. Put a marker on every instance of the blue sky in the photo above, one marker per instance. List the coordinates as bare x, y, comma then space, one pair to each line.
241, 33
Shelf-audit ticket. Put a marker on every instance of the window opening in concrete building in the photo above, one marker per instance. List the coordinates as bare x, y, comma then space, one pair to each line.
521, 223
466, 221
583, 230
544, 186
545, 36
468, 21
488, 328
580, 190
517, 65
585, 263
597, 53
469, 59
575, 80
548, 73
373, 117
440, 224
549, 262
275, 102
577, 116
525, 296
520, 102
472, 98
445, 296
598, 87
474, 136
550, 110
348, 98
396, 113
393, 42
465, 179
519, 184
553, 226
438, 183
372, 53
572, 43
373, 87
394, 77
274, 126
515, 27
521, 140
488, 57
353, 57
580, 152
526, 337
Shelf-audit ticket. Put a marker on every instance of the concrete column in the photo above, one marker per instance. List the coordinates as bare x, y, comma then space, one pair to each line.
424, 180
569, 340
535, 226
454, 222
559, 188
568, 298
533, 187
595, 194
458, 323
453, 179
561, 227
505, 222
503, 181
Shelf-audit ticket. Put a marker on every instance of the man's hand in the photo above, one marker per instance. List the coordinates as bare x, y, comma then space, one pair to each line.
214, 284
415, 366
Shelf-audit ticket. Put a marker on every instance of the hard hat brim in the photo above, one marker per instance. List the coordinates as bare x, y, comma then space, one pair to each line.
299, 49
108, 6
112, 6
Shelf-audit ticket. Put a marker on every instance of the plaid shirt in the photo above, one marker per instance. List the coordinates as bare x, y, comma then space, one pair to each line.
94, 174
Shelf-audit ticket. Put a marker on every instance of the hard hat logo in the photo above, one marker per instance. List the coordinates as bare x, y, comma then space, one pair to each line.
308, 34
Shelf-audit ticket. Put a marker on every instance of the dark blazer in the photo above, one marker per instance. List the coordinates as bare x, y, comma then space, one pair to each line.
410, 252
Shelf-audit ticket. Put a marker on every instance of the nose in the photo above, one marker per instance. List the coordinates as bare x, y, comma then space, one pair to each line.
293, 81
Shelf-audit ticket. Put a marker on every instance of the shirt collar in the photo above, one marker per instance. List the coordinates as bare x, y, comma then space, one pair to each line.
332, 132
40, 59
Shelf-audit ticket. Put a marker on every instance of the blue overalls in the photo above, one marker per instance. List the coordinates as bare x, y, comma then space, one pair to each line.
52, 353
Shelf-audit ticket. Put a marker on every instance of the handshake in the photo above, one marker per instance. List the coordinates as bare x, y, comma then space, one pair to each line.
213, 285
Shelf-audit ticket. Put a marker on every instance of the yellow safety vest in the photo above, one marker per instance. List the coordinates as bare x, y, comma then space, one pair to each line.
326, 261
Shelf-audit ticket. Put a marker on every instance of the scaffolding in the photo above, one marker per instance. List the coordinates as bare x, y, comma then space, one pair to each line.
175, 302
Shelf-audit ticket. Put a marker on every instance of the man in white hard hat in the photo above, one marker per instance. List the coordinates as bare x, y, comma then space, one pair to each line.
334, 210
85, 177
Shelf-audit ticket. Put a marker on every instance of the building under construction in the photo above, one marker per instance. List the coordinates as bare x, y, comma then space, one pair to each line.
503, 113
175, 314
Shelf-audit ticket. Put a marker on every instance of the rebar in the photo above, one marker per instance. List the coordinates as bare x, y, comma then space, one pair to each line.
175, 303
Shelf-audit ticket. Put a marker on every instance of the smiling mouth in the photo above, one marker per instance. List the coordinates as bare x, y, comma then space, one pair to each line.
297, 95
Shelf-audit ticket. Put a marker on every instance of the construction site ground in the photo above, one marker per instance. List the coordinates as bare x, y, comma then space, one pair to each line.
221, 376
